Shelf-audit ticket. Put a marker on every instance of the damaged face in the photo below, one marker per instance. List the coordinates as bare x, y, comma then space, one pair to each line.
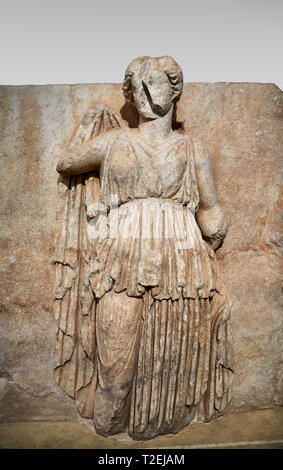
152, 93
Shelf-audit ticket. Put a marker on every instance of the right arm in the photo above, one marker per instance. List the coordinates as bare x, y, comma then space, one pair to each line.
83, 158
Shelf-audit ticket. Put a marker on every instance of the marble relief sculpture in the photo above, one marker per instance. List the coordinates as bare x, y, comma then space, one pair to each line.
143, 342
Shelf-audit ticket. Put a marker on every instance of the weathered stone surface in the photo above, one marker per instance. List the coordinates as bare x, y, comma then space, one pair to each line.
241, 125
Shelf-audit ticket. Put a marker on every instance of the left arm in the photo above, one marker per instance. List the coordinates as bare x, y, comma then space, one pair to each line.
210, 216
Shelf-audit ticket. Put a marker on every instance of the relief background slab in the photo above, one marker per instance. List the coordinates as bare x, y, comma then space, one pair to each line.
241, 125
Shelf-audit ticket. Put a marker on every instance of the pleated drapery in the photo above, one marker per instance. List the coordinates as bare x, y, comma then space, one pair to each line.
180, 365
153, 243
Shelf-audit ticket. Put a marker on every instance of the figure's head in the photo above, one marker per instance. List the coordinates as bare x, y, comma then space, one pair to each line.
153, 84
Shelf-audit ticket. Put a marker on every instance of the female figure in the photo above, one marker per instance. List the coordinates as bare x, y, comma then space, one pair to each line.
162, 354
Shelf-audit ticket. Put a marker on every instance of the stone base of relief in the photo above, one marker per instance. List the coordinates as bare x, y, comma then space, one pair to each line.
241, 125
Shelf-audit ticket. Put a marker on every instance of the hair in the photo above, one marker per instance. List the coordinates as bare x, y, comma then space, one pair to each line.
164, 64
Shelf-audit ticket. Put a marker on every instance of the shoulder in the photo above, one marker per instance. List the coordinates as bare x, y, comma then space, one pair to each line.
117, 132
197, 144
198, 150
108, 137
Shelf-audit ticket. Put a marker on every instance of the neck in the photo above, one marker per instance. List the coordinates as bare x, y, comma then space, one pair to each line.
159, 127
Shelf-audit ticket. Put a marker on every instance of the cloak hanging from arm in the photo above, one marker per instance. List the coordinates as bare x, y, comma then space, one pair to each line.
74, 303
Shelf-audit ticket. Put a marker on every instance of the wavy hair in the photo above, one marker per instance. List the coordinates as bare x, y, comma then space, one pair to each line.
164, 64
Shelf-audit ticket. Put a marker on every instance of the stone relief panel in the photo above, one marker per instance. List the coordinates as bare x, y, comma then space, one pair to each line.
241, 125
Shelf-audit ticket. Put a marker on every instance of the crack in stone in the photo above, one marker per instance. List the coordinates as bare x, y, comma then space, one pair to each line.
28, 390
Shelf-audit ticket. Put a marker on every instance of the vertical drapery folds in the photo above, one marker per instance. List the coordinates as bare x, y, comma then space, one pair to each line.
184, 366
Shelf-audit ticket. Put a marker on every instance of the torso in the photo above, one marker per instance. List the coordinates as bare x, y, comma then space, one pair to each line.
138, 169
154, 240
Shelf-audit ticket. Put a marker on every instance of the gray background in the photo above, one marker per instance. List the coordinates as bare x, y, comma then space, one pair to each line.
85, 41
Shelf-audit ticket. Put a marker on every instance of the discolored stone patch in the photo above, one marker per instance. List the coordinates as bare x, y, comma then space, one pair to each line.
252, 430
